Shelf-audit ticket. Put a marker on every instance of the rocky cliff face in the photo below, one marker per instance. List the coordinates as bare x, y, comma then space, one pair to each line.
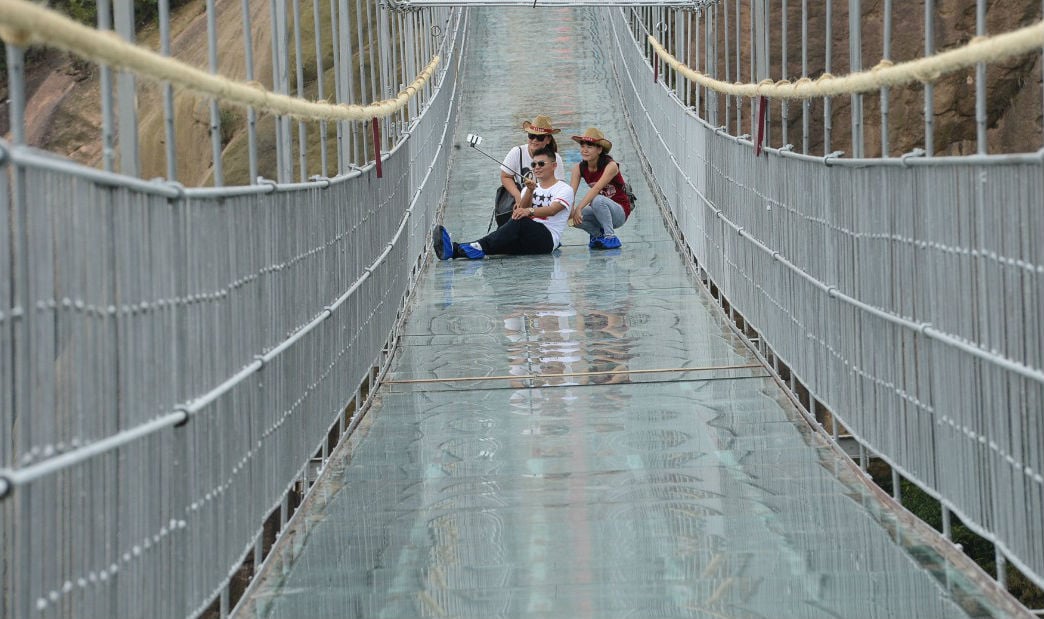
1014, 88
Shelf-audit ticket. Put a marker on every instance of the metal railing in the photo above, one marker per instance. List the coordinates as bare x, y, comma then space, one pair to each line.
901, 295
173, 359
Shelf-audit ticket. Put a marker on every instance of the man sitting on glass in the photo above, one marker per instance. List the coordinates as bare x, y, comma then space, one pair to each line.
536, 223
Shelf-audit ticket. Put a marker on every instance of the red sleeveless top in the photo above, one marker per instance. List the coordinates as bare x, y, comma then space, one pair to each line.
614, 190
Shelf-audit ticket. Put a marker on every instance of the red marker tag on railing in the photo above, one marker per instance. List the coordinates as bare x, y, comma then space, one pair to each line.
759, 135
376, 145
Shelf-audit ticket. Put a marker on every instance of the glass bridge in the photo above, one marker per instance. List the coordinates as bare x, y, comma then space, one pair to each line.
583, 434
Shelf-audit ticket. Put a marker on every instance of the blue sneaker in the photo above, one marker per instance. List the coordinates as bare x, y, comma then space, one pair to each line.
595, 242
472, 251
441, 243
610, 242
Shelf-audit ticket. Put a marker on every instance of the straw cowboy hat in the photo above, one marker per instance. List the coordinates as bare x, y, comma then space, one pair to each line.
540, 125
594, 136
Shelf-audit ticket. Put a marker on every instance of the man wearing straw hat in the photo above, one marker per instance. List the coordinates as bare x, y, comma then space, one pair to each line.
539, 134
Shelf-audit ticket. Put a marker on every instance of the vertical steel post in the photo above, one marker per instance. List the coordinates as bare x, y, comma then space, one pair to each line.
335, 48
762, 61
405, 30
361, 156
277, 80
681, 33
168, 94
16, 94
105, 78
384, 47
321, 92
897, 486
223, 602
248, 49
123, 21
410, 70
766, 61
215, 110
21, 298
302, 130
711, 60
753, 46
929, 89
398, 75
728, 62
347, 75
806, 104
785, 104
855, 62
980, 87
886, 54
341, 65
827, 67
739, 68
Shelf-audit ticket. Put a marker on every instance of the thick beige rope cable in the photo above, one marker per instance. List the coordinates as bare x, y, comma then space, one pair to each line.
23, 23
925, 70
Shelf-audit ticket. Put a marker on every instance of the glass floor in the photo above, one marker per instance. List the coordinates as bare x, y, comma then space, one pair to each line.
580, 435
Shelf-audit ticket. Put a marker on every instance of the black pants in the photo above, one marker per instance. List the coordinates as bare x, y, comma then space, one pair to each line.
518, 237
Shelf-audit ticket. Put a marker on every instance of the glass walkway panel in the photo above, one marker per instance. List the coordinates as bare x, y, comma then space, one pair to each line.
581, 434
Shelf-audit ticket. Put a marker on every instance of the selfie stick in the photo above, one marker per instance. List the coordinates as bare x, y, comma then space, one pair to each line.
474, 140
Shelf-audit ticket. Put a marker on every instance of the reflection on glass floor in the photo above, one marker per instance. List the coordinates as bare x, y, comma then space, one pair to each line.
580, 435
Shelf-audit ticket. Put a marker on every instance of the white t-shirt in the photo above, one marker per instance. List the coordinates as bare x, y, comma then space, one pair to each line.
562, 192
510, 164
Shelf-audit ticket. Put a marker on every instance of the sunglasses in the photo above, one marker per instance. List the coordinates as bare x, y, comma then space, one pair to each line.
540, 164
537, 136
